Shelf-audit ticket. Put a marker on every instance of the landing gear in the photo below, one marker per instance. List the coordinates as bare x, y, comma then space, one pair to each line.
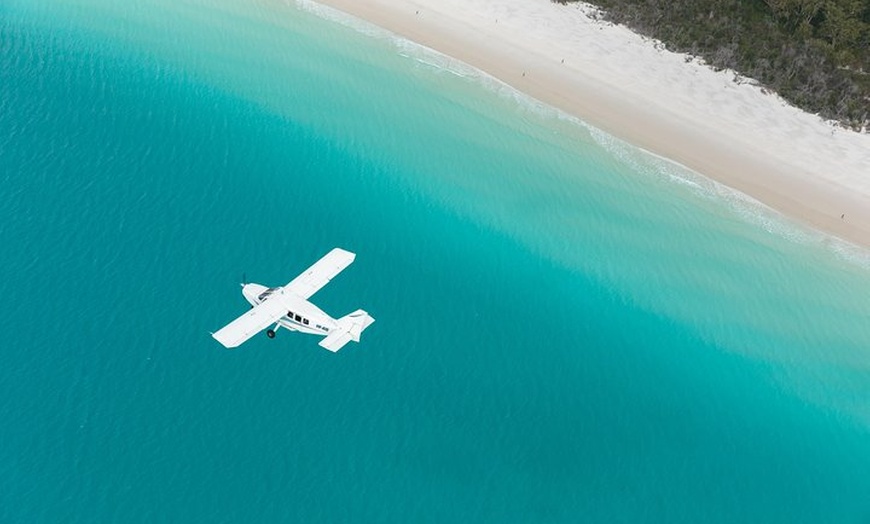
270, 333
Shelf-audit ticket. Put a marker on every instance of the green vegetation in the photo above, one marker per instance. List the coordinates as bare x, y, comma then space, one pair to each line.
814, 53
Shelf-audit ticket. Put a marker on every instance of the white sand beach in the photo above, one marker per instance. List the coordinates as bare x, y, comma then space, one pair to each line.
712, 122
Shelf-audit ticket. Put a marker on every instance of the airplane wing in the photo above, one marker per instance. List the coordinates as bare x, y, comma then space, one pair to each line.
257, 319
318, 275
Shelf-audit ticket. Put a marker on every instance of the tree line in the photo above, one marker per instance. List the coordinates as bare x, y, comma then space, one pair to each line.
813, 53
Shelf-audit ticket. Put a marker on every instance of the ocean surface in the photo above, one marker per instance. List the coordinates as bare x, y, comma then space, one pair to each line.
568, 329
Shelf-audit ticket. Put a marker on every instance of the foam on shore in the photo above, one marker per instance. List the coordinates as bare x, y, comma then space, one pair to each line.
715, 123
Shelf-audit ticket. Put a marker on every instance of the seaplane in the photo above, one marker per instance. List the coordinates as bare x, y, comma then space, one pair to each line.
288, 307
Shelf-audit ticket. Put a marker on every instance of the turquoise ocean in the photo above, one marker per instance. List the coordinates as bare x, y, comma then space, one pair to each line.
568, 329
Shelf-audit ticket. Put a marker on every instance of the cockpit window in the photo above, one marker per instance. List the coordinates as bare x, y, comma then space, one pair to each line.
265, 294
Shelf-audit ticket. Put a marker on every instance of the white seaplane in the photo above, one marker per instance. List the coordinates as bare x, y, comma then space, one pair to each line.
288, 307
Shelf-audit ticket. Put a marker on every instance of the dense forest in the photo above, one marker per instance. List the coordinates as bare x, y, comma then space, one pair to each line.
814, 53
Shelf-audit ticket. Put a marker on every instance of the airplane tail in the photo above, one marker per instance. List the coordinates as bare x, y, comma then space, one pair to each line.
350, 327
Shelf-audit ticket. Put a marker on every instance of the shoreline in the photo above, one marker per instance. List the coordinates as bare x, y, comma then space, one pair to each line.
724, 128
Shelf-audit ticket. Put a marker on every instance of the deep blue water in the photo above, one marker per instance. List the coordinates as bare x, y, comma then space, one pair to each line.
568, 330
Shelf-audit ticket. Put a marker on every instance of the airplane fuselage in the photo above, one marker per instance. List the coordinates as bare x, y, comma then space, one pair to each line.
302, 315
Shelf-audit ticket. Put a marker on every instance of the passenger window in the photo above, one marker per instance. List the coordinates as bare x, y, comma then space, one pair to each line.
298, 318
305, 321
